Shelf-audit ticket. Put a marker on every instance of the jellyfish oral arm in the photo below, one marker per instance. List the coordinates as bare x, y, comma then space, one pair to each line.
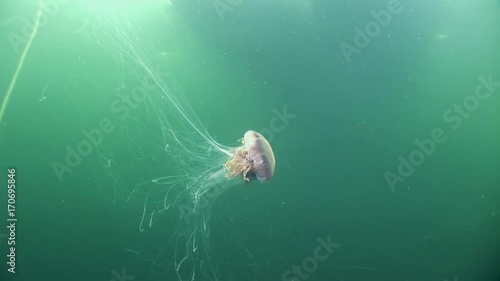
239, 165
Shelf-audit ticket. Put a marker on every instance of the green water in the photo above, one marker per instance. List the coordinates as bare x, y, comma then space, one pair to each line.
385, 136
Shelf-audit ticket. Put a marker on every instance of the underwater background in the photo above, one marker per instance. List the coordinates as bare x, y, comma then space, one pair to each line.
383, 117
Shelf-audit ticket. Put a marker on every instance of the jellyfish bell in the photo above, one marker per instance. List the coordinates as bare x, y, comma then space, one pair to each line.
260, 156
255, 159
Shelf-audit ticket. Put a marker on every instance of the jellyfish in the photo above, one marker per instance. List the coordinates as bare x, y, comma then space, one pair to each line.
255, 159
179, 170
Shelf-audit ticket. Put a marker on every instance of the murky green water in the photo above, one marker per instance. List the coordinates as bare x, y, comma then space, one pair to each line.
382, 116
